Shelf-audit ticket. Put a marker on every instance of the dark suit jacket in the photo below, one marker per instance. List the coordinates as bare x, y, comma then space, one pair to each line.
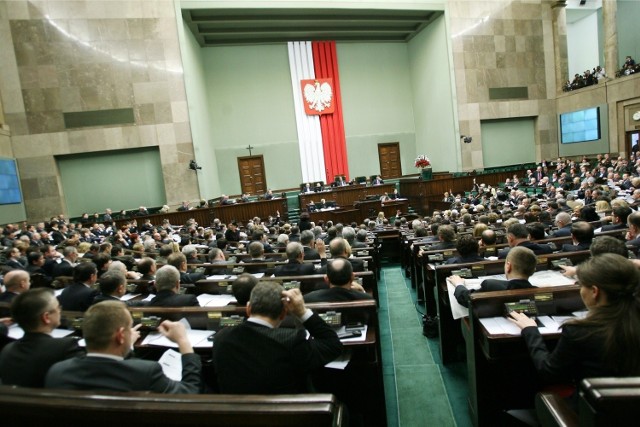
612, 227
25, 362
463, 294
295, 269
77, 297
578, 354
255, 359
171, 299
251, 268
14, 264
8, 298
573, 248
63, 268
563, 232
336, 294
99, 373
356, 264
538, 249
310, 253
464, 260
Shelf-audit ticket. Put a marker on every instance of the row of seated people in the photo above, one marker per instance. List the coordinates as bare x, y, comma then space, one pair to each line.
573, 359
287, 357
339, 181
79, 295
588, 78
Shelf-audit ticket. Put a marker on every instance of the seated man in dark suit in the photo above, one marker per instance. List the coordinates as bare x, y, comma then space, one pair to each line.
620, 215
257, 357
15, 282
446, 237
518, 267
307, 239
168, 286
342, 287
467, 248
563, 222
518, 235
242, 287
25, 362
339, 248
360, 240
633, 235
113, 285
109, 333
79, 295
65, 266
295, 265
582, 235
256, 250
179, 261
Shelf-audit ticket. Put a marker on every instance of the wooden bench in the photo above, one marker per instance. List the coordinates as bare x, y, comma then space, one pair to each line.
435, 285
28, 406
500, 372
602, 402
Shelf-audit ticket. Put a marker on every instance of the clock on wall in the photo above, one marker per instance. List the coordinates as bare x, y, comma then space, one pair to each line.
636, 116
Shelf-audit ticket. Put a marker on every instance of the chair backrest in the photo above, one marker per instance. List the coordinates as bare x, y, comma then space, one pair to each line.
27, 406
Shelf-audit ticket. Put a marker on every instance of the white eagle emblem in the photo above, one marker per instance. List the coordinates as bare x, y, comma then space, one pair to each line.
318, 96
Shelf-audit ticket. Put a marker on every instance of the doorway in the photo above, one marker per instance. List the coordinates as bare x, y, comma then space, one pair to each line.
389, 156
633, 142
252, 176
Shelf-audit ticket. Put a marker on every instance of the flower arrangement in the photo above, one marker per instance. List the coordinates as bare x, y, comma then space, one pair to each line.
422, 162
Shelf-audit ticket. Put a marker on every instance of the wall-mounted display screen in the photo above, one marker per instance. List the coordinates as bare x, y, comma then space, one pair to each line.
580, 126
9, 183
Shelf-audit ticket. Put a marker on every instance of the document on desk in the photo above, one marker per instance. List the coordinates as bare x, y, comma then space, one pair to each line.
198, 339
171, 363
149, 297
222, 277
549, 278
459, 311
503, 326
208, 300
127, 297
341, 362
16, 332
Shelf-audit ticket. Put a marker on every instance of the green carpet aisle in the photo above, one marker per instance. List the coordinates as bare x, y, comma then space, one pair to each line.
414, 385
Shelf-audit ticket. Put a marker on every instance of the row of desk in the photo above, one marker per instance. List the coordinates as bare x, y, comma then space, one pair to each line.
346, 196
360, 211
241, 212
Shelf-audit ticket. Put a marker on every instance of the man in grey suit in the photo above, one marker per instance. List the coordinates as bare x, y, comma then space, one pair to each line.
109, 333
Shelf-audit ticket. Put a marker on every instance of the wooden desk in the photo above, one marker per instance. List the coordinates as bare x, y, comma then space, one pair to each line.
435, 278
359, 386
241, 212
346, 196
246, 211
501, 374
22, 406
370, 208
343, 215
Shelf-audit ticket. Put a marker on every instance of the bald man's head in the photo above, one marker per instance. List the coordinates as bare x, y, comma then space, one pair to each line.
17, 281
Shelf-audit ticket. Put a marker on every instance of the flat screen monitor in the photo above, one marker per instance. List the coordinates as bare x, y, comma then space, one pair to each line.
9, 183
580, 126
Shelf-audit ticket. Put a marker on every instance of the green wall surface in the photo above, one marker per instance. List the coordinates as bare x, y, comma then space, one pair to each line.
433, 99
628, 19
377, 102
250, 102
195, 77
508, 141
123, 179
